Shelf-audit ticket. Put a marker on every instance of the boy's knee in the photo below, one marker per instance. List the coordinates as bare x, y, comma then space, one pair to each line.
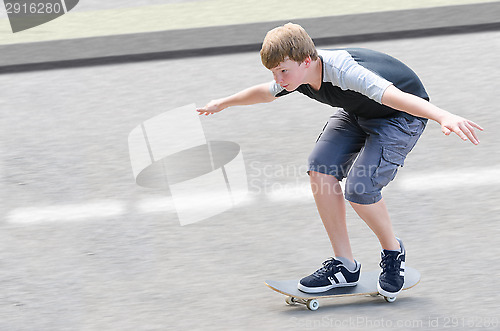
322, 184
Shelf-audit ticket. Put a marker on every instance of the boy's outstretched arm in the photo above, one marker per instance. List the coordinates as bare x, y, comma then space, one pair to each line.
256, 94
464, 128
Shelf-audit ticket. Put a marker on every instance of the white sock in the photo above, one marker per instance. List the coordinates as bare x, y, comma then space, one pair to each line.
350, 265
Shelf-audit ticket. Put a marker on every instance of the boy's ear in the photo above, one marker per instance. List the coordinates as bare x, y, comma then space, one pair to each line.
307, 61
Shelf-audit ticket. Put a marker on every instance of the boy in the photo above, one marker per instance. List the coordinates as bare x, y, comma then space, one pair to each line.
384, 110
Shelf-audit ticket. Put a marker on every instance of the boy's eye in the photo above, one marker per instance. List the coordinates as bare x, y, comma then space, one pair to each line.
284, 70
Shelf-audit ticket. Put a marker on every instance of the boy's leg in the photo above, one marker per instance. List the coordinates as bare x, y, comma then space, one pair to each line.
389, 142
376, 216
331, 207
335, 151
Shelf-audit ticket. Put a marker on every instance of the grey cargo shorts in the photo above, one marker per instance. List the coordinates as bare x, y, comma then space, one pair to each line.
368, 152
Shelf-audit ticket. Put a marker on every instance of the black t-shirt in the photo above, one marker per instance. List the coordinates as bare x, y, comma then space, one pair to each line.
355, 80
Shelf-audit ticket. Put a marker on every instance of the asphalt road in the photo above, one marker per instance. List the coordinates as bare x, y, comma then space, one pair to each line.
81, 250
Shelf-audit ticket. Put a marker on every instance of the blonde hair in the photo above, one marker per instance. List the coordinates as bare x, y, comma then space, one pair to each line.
289, 40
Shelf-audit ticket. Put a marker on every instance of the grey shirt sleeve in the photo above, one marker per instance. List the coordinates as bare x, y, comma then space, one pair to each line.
343, 71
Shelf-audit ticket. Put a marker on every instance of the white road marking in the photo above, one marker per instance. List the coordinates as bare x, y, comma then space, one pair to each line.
290, 192
105, 209
412, 182
70, 212
450, 179
155, 205
430, 182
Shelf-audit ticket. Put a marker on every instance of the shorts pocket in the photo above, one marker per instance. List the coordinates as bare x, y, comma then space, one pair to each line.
390, 161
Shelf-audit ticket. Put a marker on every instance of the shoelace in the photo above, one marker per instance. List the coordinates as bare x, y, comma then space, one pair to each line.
328, 265
390, 264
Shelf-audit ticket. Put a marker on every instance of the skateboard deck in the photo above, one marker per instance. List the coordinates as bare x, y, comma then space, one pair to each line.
367, 286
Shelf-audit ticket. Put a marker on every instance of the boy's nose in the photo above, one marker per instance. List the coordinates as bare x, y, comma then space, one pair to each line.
278, 79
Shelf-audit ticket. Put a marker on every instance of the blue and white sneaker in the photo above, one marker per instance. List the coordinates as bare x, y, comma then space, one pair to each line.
392, 277
332, 274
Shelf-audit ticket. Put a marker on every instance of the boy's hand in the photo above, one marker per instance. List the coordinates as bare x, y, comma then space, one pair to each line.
461, 126
397, 99
212, 107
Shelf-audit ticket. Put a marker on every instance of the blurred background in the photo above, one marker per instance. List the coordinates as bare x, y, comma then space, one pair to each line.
83, 247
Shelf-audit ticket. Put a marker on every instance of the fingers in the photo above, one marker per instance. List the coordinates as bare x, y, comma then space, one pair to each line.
473, 136
210, 108
446, 131
203, 111
459, 131
465, 130
465, 133
462, 127
475, 125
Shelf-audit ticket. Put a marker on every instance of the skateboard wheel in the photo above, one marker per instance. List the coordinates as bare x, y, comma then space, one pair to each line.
390, 299
312, 304
290, 300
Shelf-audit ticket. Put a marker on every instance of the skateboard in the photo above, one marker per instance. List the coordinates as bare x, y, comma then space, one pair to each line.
367, 286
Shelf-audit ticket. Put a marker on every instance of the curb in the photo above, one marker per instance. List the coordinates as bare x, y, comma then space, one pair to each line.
246, 37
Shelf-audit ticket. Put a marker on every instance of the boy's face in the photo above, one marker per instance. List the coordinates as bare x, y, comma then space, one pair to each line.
290, 74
